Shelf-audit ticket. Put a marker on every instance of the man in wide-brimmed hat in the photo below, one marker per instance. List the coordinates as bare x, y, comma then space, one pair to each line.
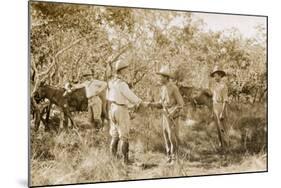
121, 98
171, 102
218, 71
220, 97
96, 100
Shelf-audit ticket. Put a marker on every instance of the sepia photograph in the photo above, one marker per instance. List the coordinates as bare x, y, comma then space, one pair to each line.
127, 93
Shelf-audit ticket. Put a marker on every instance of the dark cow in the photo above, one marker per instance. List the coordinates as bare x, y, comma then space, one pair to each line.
55, 96
38, 109
196, 97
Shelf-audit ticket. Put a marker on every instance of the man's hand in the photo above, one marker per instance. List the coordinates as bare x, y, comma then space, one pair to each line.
137, 108
155, 105
177, 112
145, 104
174, 114
142, 105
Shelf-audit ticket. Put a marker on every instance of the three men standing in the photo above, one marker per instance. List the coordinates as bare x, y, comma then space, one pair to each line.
121, 98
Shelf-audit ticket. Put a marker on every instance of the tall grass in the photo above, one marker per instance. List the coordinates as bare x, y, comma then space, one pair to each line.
68, 158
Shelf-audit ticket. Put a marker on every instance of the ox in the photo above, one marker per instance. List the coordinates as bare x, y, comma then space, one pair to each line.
73, 102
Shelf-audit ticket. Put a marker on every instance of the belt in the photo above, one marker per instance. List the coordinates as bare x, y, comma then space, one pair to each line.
123, 105
218, 102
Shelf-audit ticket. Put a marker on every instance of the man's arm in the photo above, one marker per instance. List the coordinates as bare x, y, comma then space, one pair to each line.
129, 94
157, 104
180, 103
225, 94
225, 100
178, 97
77, 86
70, 88
101, 85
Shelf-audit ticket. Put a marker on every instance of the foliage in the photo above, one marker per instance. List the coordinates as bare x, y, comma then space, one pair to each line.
154, 40
68, 158
67, 40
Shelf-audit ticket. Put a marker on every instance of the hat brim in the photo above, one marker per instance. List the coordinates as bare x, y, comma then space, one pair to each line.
122, 68
220, 72
86, 75
163, 74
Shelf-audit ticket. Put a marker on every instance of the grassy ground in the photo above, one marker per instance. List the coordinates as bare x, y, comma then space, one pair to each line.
69, 157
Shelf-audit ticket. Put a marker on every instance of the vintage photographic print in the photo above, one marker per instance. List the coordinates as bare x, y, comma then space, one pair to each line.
120, 93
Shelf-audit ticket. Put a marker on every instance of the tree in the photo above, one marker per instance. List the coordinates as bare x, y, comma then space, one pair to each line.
68, 39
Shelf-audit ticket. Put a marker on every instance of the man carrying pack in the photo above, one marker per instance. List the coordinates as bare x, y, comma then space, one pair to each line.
171, 102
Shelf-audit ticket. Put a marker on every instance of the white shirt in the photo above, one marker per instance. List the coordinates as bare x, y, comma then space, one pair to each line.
220, 93
94, 87
120, 93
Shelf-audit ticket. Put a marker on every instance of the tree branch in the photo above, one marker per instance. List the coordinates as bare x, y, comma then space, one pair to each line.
43, 74
136, 81
123, 50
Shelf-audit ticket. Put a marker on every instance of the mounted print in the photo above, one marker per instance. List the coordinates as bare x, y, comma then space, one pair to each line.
121, 93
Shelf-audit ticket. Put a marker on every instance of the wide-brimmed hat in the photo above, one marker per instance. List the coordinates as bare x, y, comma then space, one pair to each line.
219, 71
165, 71
121, 65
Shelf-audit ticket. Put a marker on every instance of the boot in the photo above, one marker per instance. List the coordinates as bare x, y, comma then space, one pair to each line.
125, 151
97, 124
114, 146
173, 158
169, 157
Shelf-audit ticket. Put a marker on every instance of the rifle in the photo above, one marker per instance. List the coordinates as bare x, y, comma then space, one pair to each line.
169, 115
